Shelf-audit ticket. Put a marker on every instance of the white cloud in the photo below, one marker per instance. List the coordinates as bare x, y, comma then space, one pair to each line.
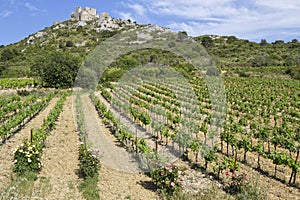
33, 9
138, 9
30, 7
247, 27
250, 19
126, 15
194, 8
5, 13
279, 4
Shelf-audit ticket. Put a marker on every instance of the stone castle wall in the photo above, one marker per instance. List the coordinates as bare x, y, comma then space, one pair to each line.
84, 14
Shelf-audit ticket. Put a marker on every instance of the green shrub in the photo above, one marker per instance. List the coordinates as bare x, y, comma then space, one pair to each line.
294, 72
238, 182
23, 92
168, 179
56, 69
69, 43
253, 190
89, 163
27, 158
8, 54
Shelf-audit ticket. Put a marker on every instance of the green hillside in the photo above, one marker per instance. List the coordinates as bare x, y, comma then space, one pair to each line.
235, 56
69, 36
245, 57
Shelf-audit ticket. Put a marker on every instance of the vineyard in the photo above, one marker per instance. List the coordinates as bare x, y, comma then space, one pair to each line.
11, 83
262, 121
260, 130
17, 111
257, 132
112, 109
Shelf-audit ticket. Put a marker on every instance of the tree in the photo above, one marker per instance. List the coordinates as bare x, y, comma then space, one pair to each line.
2, 68
56, 69
261, 60
183, 32
294, 72
263, 42
278, 42
295, 41
69, 43
182, 35
128, 63
231, 39
119, 68
8, 54
206, 41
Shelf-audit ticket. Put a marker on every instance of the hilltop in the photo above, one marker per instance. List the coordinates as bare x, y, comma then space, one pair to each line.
86, 29
78, 36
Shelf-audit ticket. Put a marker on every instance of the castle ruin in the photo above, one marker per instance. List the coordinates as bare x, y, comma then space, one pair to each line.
102, 21
85, 14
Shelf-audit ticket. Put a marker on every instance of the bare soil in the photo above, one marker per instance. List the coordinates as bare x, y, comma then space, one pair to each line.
101, 139
117, 185
118, 177
60, 159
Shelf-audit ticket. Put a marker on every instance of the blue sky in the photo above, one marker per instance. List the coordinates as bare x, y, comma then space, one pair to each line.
248, 19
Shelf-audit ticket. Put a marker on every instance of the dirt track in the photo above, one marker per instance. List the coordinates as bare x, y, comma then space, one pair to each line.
60, 159
117, 179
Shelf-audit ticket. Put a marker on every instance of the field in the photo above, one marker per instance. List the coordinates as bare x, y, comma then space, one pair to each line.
250, 131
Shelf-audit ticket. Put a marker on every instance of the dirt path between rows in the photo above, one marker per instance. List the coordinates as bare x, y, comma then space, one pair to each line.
116, 177
60, 159
7, 149
119, 185
101, 139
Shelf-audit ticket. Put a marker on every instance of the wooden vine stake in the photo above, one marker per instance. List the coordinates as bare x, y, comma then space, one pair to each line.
235, 159
31, 135
156, 147
84, 139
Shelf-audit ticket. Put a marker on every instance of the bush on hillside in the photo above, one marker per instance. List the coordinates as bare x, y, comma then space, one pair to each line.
294, 72
56, 69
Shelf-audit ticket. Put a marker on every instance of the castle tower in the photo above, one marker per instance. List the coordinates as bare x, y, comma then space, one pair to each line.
78, 9
84, 14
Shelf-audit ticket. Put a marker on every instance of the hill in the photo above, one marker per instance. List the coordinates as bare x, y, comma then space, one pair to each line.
230, 51
246, 58
75, 36
80, 34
